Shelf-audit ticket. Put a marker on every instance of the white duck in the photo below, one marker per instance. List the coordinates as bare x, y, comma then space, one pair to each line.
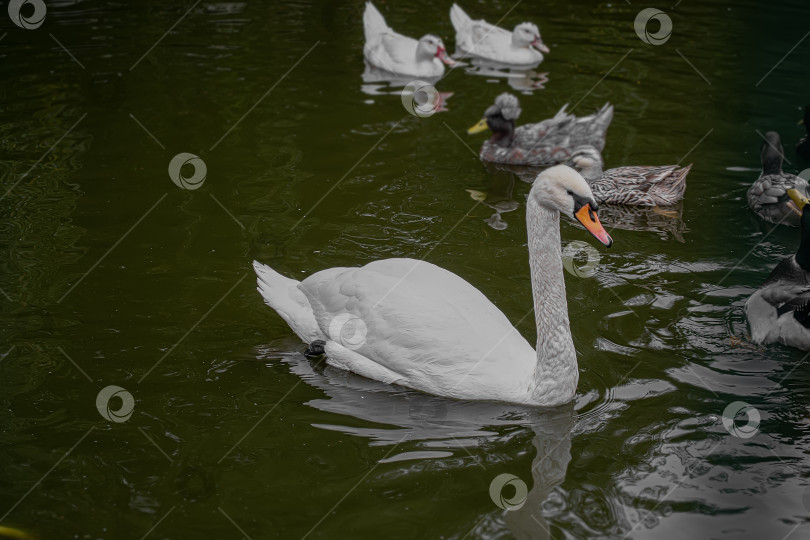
480, 39
401, 55
409, 322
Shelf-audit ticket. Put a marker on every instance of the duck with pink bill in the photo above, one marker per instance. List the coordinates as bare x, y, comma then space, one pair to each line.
523, 46
392, 52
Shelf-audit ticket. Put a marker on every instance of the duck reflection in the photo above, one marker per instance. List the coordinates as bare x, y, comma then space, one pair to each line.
379, 82
498, 196
442, 427
523, 79
667, 222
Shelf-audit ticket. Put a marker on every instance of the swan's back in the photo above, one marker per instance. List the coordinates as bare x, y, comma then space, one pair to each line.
424, 323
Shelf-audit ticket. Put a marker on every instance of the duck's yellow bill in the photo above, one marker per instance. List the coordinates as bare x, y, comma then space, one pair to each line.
591, 222
8, 532
479, 127
797, 198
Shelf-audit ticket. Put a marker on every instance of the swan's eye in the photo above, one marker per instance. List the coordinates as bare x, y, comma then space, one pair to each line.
570, 192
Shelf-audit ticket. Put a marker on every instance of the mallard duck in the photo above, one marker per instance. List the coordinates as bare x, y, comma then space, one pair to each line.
479, 39
768, 195
409, 322
803, 148
401, 55
637, 186
779, 311
544, 143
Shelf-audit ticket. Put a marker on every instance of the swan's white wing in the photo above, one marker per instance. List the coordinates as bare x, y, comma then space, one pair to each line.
435, 330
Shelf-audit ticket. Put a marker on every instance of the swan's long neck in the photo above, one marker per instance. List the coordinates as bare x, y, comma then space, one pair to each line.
556, 374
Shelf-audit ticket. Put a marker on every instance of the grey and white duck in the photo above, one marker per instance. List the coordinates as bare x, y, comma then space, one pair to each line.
545, 143
779, 311
768, 195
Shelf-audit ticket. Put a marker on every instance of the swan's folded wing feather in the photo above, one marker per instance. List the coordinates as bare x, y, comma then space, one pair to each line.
419, 320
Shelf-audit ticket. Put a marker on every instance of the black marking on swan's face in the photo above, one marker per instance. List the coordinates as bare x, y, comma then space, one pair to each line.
580, 201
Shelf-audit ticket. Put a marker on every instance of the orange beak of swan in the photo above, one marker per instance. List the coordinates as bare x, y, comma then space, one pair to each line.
590, 221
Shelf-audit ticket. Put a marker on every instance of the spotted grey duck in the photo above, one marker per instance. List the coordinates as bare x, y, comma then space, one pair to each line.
544, 143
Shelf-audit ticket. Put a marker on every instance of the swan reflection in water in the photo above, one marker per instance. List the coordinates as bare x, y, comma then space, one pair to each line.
524, 79
437, 428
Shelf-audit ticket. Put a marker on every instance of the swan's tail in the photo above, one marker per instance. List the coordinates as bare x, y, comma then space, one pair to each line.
283, 295
373, 23
458, 17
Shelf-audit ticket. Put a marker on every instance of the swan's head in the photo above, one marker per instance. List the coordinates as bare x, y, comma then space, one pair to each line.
563, 189
528, 35
430, 47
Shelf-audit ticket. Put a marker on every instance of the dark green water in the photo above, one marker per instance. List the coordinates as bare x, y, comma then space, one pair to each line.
234, 434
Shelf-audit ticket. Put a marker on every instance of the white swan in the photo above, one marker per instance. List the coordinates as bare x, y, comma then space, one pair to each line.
480, 39
398, 54
415, 324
